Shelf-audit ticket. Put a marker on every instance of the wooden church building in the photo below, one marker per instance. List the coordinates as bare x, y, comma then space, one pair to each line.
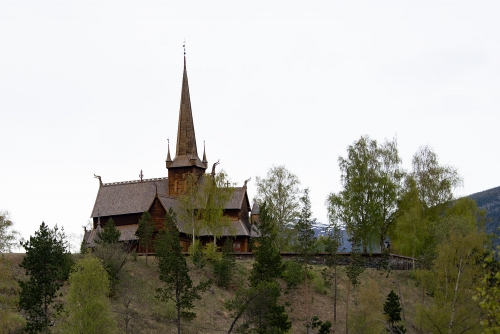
126, 201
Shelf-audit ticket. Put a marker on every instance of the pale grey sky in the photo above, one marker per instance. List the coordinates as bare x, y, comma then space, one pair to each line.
94, 87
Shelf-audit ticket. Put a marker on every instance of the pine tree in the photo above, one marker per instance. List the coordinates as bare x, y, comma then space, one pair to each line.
267, 265
259, 303
109, 234
305, 243
47, 263
174, 272
392, 310
224, 268
145, 232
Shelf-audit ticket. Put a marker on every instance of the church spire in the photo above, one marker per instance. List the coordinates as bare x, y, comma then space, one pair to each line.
205, 161
186, 152
169, 159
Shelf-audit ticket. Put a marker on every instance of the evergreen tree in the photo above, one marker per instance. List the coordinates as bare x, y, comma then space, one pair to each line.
174, 272
224, 268
47, 264
305, 244
109, 234
145, 232
259, 307
88, 308
259, 304
392, 310
267, 266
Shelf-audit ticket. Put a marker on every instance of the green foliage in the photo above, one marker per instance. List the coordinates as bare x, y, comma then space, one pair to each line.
392, 310
211, 252
260, 308
293, 274
224, 268
357, 264
280, 191
411, 234
145, 232
47, 264
488, 293
365, 317
109, 234
323, 327
113, 258
174, 272
8, 236
10, 320
435, 183
306, 242
216, 192
259, 303
88, 308
371, 178
267, 266
190, 202
197, 256
455, 272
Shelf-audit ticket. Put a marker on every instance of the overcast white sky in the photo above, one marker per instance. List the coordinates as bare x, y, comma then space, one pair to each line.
94, 87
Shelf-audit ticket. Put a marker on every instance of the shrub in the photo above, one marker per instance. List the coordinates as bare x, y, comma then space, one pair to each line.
197, 256
211, 252
293, 274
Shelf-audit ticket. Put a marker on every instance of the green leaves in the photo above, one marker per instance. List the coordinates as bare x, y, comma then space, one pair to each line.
371, 176
280, 191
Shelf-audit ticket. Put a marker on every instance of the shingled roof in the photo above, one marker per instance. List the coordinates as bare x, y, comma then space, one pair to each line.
128, 197
236, 201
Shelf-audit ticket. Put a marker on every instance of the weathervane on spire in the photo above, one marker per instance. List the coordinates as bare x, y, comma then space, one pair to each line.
184, 46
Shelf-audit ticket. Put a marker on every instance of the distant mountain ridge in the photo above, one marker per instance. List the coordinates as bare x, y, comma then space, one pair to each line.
490, 201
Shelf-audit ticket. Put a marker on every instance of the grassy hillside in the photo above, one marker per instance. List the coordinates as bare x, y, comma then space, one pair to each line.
135, 300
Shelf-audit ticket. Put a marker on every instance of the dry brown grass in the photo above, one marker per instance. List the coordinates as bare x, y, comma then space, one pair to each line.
135, 299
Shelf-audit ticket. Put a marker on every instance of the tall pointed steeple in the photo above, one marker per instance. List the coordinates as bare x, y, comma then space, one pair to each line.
186, 152
169, 159
205, 161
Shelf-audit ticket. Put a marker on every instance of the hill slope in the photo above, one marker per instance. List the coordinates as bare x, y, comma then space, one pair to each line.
135, 299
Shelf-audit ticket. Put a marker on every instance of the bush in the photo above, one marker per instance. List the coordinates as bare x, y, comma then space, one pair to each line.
318, 283
293, 274
197, 256
113, 257
224, 268
211, 252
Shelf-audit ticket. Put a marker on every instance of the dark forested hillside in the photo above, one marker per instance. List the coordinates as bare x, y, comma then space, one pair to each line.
490, 201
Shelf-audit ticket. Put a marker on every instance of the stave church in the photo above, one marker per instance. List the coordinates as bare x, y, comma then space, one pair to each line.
126, 201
